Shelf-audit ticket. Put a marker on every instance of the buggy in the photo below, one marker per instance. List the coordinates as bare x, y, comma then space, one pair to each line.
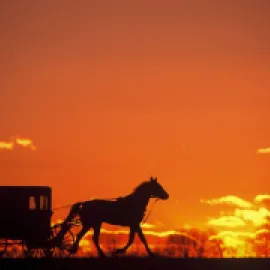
26, 221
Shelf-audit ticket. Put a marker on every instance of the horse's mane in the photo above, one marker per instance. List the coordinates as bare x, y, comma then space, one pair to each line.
135, 191
139, 188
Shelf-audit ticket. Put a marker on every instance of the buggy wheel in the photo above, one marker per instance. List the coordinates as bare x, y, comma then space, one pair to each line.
3, 246
39, 252
63, 249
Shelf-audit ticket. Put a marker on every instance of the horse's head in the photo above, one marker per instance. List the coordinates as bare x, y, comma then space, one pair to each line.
156, 190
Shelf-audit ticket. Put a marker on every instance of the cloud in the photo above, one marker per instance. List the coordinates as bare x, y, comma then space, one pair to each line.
119, 231
263, 150
262, 198
254, 215
257, 217
233, 239
22, 142
262, 233
154, 233
229, 200
25, 143
227, 221
222, 234
6, 145
148, 226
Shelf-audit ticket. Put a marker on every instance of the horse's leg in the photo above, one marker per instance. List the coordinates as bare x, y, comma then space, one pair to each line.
96, 240
80, 235
140, 234
57, 240
130, 241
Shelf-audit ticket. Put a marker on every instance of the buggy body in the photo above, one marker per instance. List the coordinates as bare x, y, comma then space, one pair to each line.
25, 213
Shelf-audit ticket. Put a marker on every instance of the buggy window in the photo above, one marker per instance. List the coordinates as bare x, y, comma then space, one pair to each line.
44, 203
32, 203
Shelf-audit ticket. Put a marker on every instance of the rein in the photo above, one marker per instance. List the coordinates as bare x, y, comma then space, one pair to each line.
150, 211
62, 207
69, 205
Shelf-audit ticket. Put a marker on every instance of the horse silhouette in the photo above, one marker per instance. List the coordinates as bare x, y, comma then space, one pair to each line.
124, 211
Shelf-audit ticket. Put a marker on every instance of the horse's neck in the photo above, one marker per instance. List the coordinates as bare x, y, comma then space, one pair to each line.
140, 200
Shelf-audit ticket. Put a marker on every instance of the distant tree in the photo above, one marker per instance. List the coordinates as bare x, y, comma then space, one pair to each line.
231, 252
186, 255
263, 241
216, 247
200, 251
180, 245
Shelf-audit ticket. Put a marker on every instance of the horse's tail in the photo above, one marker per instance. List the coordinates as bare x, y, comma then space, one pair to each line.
75, 210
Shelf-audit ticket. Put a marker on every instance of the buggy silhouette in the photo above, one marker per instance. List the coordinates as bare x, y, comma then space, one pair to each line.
26, 221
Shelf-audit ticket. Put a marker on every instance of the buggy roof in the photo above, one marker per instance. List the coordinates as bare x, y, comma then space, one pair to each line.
26, 189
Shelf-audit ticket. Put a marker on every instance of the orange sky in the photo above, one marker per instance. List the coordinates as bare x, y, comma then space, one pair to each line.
113, 93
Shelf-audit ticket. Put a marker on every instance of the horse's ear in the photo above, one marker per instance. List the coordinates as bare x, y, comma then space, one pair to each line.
153, 179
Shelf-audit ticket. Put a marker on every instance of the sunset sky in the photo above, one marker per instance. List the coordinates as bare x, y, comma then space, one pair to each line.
112, 92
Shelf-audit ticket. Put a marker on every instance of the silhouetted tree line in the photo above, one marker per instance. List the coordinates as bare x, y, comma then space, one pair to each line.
185, 244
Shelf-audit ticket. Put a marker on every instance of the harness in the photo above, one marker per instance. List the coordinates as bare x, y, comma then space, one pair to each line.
150, 211
62, 207
113, 199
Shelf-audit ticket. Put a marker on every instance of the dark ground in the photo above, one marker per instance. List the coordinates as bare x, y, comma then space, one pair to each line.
133, 263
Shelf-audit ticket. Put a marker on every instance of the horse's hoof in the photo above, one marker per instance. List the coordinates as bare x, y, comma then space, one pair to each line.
119, 250
73, 250
102, 255
151, 254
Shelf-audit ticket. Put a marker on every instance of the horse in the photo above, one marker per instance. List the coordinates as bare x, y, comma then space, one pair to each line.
126, 211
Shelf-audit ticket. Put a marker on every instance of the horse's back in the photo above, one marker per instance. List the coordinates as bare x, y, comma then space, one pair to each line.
100, 204
111, 211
